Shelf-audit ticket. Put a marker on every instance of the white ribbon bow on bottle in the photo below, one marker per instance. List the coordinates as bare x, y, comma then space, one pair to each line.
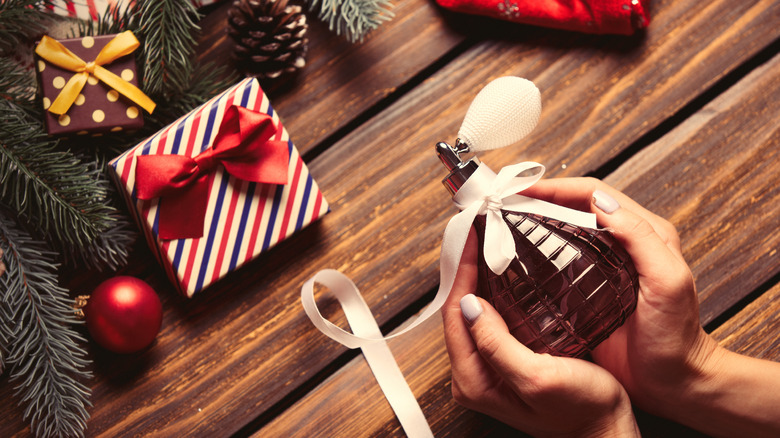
483, 193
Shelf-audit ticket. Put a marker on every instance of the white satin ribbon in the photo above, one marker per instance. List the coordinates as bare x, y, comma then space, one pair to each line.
487, 193
483, 193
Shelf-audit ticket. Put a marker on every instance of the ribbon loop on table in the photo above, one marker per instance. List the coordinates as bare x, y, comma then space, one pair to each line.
121, 45
483, 193
367, 336
242, 145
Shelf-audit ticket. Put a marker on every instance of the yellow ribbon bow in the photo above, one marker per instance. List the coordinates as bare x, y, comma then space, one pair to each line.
123, 44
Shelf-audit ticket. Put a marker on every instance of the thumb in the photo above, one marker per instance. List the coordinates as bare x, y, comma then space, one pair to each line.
512, 360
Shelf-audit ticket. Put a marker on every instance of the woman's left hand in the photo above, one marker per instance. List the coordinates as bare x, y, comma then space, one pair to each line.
540, 394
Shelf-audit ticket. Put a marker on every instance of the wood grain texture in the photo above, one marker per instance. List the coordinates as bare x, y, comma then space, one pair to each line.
342, 80
715, 178
230, 355
755, 330
350, 402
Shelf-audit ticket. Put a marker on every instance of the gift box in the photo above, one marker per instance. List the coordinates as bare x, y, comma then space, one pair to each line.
97, 9
106, 99
241, 218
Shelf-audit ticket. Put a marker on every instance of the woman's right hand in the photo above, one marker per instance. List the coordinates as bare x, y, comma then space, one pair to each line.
661, 351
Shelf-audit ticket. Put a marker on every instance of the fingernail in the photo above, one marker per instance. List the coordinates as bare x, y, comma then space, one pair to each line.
470, 307
604, 202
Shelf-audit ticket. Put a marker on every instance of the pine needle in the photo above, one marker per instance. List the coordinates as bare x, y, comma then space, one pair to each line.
352, 18
167, 30
50, 188
21, 20
16, 83
43, 350
111, 248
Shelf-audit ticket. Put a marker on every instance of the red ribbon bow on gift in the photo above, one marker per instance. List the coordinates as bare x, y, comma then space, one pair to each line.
241, 145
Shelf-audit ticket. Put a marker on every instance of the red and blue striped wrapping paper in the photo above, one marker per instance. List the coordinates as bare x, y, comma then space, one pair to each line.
95, 9
244, 218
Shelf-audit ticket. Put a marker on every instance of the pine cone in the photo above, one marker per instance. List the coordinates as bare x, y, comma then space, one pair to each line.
269, 35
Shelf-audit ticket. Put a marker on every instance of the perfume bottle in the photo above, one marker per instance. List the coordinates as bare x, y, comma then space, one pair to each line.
569, 287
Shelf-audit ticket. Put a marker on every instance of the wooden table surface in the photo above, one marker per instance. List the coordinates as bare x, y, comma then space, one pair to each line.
684, 118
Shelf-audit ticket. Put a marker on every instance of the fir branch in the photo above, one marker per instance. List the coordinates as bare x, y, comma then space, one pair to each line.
21, 20
111, 248
44, 355
168, 29
50, 188
16, 83
353, 18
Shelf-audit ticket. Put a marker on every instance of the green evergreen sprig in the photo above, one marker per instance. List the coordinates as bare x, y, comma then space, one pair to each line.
21, 20
50, 188
167, 30
43, 351
16, 84
110, 249
352, 18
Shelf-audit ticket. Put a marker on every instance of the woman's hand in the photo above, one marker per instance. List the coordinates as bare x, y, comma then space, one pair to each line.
666, 362
662, 357
661, 350
543, 395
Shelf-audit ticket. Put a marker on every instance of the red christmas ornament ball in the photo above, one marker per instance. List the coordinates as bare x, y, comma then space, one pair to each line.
123, 314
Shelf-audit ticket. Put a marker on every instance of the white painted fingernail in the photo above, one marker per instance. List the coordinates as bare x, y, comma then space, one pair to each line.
470, 307
604, 202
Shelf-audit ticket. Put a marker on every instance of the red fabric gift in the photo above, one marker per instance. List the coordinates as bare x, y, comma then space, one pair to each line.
622, 17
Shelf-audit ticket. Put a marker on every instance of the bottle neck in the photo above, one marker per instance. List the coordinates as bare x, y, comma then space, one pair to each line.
460, 172
459, 175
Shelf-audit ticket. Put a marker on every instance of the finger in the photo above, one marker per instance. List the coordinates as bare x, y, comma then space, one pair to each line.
460, 345
650, 254
510, 359
466, 277
578, 193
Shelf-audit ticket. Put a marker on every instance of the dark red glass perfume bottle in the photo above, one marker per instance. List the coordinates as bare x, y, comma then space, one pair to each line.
568, 288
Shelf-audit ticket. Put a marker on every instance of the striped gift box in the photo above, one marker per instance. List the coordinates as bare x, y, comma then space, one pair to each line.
244, 218
94, 9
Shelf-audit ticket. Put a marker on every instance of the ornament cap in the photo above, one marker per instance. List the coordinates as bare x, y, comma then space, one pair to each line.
78, 306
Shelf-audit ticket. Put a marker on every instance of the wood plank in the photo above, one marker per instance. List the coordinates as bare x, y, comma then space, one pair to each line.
754, 330
341, 80
332, 407
226, 357
715, 178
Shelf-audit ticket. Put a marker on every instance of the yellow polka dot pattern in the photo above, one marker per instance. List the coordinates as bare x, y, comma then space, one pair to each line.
100, 114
